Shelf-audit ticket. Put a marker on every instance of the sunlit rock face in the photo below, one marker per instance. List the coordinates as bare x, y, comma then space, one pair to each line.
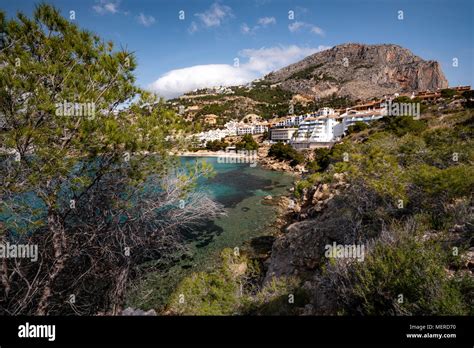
360, 71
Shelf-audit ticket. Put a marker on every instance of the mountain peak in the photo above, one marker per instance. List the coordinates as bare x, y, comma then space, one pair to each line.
360, 71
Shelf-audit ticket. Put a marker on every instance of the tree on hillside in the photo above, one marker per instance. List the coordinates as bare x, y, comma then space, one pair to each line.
285, 152
93, 187
247, 143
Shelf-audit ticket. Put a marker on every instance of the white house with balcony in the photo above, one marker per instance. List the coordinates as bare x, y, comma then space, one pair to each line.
321, 129
350, 117
252, 128
296, 120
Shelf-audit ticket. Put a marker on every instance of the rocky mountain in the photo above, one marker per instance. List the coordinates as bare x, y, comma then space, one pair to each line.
359, 71
335, 77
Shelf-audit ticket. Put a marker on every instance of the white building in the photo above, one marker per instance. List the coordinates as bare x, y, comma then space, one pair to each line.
351, 117
261, 127
253, 128
245, 129
320, 129
325, 111
214, 134
282, 134
231, 127
296, 120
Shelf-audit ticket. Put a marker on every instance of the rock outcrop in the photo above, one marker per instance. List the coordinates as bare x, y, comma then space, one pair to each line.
360, 71
301, 248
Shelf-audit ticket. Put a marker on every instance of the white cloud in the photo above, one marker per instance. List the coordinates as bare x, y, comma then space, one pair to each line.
266, 21
106, 6
264, 60
176, 82
317, 30
215, 15
245, 28
297, 26
262, 23
193, 27
258, 63
145, 20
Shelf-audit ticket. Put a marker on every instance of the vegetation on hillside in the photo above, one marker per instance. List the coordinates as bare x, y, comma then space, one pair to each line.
234, 287
285, 152
247, 143
216, 145
421, 173
306, 73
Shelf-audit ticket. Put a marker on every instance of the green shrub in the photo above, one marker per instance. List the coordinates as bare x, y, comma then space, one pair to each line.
406, 276
247, 143
209, 293
313, 167
357, 127
300, 186
323, 158
451, 182
305, 74
448, 93
280, 296
216, 145
469, 96
402, 125
403, 99
285, 152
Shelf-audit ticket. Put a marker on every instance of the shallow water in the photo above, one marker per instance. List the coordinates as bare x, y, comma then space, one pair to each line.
240, 188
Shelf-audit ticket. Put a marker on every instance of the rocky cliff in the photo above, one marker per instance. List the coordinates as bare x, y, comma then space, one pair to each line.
359, 72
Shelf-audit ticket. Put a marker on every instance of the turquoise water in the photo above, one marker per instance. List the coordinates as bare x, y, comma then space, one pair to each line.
240, 188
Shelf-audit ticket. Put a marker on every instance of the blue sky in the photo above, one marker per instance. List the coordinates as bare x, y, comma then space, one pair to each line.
175, 54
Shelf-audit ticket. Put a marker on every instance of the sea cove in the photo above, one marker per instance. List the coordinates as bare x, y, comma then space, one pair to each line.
240, 188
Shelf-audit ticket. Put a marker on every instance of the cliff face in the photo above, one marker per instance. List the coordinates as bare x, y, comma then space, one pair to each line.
360, 71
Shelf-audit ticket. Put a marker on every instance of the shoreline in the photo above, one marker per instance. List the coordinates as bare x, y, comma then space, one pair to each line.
209, 154
260, 159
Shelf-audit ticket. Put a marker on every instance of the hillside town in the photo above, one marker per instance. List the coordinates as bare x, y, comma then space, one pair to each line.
321, 128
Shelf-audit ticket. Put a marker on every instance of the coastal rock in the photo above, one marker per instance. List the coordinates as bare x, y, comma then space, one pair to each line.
301, 248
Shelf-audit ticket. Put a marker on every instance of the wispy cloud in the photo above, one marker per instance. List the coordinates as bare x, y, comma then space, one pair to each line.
263, 60
145, 20
106, 6
214, 16
258, 62
193, 27
262, 23
297, 26
244, 28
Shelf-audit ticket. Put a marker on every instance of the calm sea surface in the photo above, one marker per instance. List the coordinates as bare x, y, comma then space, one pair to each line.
240, 188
